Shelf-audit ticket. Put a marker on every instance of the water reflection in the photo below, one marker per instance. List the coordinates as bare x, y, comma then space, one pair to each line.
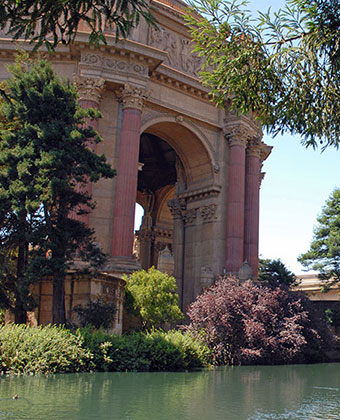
241, 393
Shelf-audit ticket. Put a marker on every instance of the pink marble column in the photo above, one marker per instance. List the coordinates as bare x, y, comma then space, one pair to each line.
252, 203
127, 172
235, 201
90, 90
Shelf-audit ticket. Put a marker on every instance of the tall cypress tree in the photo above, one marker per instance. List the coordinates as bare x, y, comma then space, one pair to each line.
44, 157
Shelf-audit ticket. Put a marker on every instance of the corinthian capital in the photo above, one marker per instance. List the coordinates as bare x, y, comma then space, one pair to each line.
132, 96
177, 208
90, 88
240, 130
254, 147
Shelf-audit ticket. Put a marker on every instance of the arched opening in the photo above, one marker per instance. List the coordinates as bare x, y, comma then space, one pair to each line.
139, 213
157, 177
175, 174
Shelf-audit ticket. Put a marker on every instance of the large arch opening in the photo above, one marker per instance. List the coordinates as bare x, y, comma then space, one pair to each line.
158, 174
175, 169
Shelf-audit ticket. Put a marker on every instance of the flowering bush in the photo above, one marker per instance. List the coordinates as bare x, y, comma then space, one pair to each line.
251, 324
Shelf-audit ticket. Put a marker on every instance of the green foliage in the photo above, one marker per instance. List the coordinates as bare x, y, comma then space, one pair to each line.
333, 315
51, 349
2, 316
44, 159
48, 22
150, 351
154, 296
97, 313
324, 252
274, 273
282, 68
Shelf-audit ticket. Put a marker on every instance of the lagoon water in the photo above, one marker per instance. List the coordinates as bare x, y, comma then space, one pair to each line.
297, 392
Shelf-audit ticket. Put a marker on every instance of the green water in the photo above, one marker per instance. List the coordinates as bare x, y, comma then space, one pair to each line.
308, 392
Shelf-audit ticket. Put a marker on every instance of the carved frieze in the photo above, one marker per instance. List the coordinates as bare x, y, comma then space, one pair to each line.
208, 213
179, 50
116, 65
90, 88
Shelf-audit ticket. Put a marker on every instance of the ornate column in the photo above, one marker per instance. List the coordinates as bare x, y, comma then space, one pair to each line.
177, 208
127, 172
252, 203
90, 90
237, 137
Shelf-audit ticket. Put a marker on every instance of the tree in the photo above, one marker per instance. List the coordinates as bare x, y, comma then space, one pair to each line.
44, 157
274, 273
324, 252
49, 22
154, 296
283, 69
251, 324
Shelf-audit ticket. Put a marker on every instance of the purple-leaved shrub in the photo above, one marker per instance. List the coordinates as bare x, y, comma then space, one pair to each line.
253, 324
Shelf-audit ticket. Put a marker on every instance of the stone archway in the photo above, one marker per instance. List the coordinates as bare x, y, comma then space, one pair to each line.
175, 167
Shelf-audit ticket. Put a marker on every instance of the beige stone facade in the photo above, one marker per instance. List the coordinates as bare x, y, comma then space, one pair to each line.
189, 164
312, 286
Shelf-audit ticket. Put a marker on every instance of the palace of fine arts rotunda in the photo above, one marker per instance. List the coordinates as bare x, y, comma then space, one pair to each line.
194, 168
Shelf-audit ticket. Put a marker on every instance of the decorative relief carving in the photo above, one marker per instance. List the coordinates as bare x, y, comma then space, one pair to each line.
216, 168
118, 66
208, 213
145, 235
190, 216
132, 96
89, 88
177, 207
239, 130
238, 136
179, 50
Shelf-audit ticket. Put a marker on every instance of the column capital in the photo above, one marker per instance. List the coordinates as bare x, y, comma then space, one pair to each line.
254, 147
132, 96
89, 88
240, 130
177, 208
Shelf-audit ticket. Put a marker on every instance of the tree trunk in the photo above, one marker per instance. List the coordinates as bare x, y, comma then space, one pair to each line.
58, 302
20, 314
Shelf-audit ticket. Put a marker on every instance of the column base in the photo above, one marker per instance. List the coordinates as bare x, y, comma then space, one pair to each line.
121, 265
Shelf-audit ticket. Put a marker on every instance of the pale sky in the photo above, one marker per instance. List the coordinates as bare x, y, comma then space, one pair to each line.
298, 181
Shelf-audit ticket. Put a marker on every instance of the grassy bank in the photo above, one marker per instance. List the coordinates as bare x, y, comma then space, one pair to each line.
50, 349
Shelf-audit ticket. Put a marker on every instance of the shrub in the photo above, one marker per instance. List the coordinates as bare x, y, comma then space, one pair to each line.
154, 296
150, 351
250, 324
97, 313
47, 349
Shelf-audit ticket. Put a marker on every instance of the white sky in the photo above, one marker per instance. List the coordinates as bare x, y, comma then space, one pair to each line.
298, 181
